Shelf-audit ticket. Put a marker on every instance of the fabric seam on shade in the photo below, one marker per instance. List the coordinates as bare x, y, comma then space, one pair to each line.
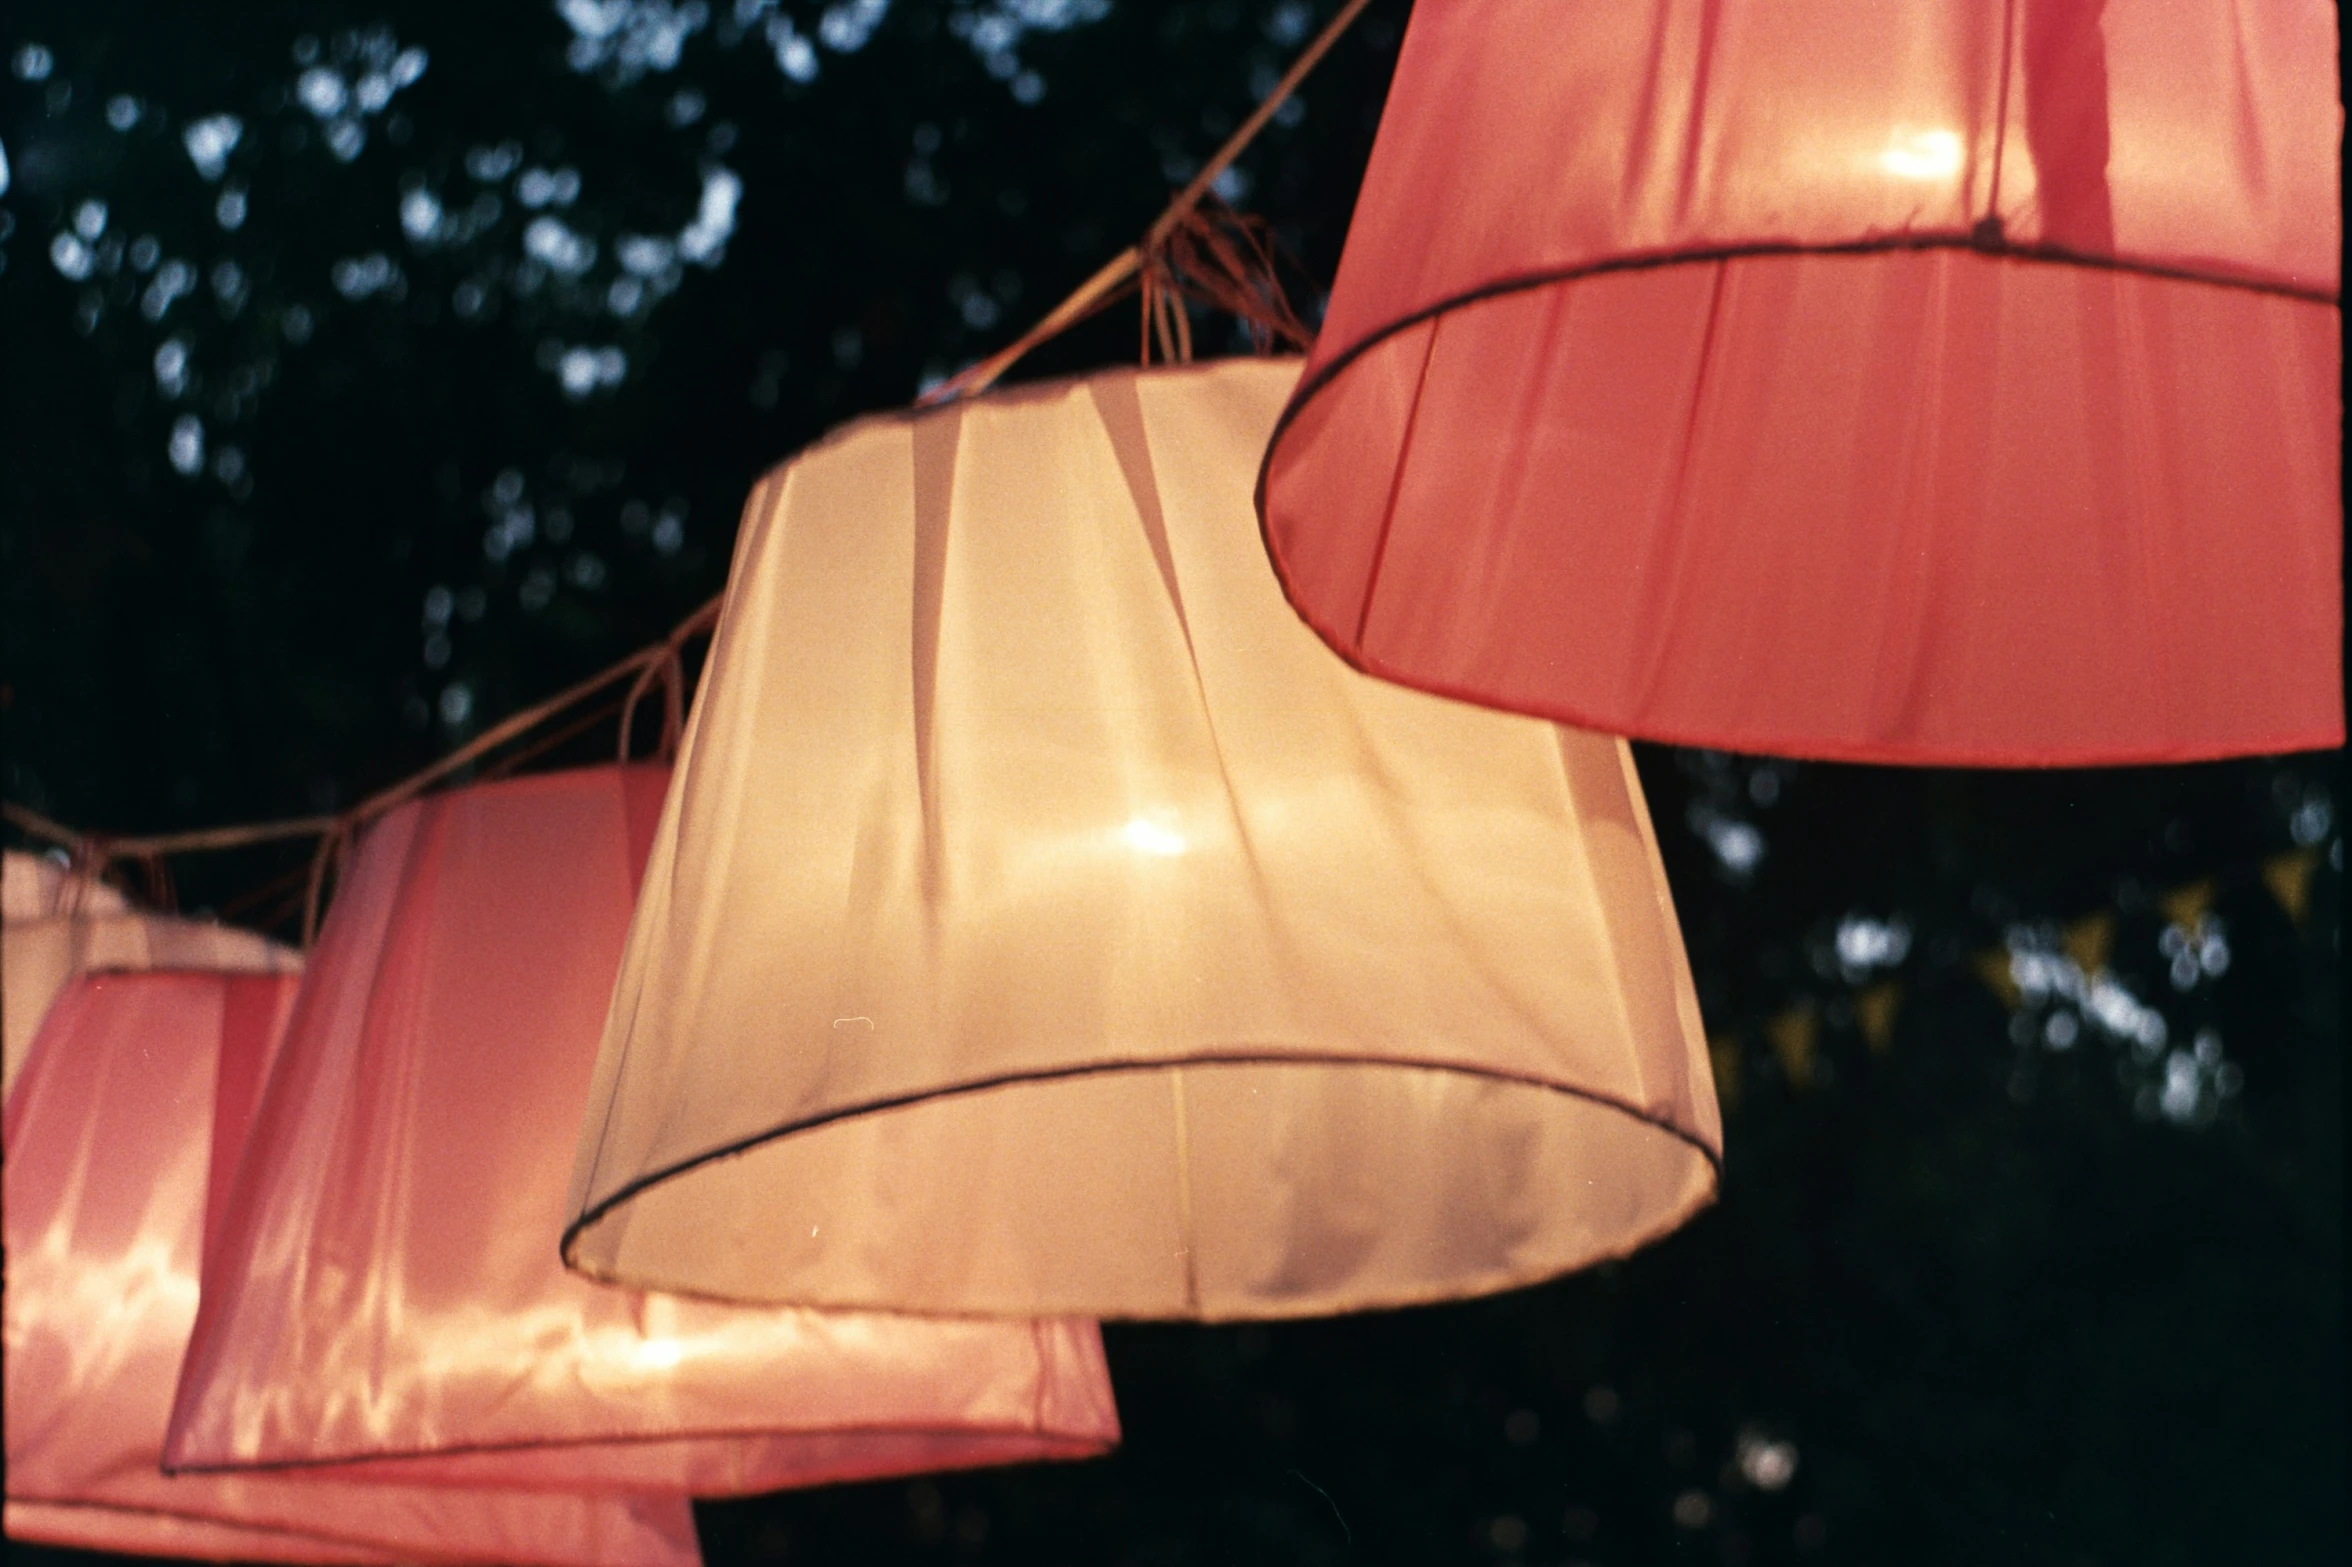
596, 1211
1876, 754
1672, 538
1396, 480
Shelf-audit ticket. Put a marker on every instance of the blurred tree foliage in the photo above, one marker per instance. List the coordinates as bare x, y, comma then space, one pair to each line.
372, 370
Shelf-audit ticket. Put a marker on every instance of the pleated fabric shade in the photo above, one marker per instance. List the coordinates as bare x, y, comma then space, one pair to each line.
110, 1147
58, 924
387, 1297
1042, 920
1949, 383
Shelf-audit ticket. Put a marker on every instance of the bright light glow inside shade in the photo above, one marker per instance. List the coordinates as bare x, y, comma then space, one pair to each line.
659, 1354
1146, 837
1922, 155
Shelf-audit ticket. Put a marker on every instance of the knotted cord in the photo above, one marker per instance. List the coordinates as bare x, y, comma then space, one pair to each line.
1226, 261
1110, 283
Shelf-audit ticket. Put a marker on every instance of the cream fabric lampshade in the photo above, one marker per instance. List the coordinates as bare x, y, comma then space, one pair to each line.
1042, 920
111, 1139
58, 924
385, 1296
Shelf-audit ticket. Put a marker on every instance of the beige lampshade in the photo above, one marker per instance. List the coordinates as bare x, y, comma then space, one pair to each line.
58, 924
1041, 920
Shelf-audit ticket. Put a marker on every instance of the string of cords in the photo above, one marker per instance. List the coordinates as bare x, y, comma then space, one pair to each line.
1111, 281
1217, 254
658, 662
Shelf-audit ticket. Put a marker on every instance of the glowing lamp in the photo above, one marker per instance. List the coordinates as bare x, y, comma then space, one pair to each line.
58, 924
110, 1141
386, 1298
1041, 920
1905, 383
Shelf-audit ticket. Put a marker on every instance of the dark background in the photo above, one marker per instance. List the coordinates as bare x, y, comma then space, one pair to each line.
2029, 1246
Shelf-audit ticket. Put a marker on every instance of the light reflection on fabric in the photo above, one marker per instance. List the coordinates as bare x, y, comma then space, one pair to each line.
108, 1168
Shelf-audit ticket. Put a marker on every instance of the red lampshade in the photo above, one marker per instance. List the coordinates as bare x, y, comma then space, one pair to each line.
386, 1295
1948, 383
109, 1134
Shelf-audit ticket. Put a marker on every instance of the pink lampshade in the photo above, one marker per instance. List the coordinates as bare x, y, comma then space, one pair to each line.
386, 1296
1934, 383
109, 1136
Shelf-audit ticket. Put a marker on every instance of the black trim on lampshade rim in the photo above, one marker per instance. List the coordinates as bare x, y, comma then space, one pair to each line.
597, 1210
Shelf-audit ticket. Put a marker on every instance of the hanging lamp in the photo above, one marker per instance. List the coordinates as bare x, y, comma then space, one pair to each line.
59, 923
387, 1298
1902, 383
110, 1136
1042, 921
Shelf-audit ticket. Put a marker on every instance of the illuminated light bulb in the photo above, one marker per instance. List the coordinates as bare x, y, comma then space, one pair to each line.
1922, 155
1149, 837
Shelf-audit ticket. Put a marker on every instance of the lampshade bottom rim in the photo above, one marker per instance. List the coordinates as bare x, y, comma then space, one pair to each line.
1564, 1135
457, 1465
2003, 755
51, 1521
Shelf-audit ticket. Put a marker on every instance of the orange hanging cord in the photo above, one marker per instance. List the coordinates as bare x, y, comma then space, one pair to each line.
1110, 282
